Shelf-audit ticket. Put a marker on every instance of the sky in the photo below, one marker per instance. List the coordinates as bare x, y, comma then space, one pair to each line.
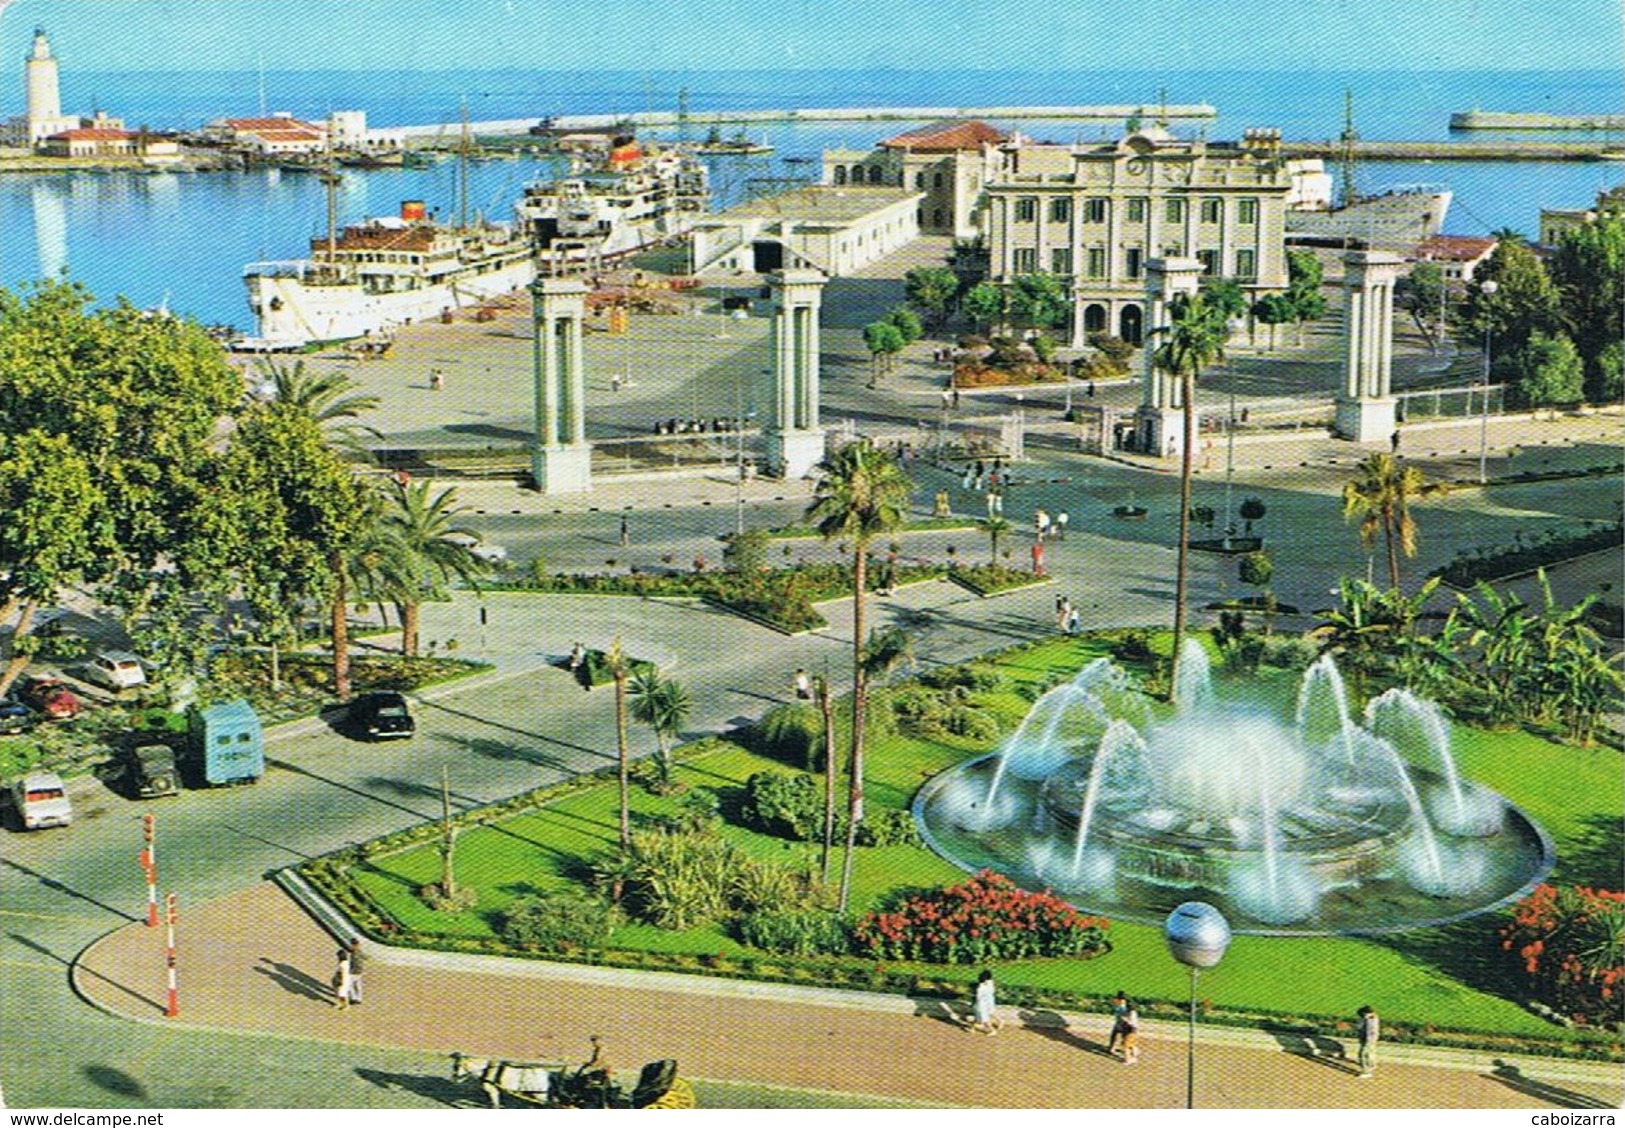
655, 35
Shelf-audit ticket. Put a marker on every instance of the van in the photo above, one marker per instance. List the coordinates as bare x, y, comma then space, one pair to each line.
226, 742
116, 670
41, 799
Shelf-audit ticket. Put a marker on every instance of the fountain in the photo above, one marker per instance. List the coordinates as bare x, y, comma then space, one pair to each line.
1312, 823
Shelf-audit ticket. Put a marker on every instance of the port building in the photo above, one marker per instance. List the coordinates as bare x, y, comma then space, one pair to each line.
836, 230
947, 162
280, 135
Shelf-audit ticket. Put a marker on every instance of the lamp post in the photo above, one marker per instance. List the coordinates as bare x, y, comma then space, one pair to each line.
1197, 935
1488, 289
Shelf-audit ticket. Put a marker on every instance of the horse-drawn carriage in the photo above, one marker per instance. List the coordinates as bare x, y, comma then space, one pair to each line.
557, 1085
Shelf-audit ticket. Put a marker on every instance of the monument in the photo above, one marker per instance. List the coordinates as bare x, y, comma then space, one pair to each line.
561, 457
1159, 425
1366, 407
794, 439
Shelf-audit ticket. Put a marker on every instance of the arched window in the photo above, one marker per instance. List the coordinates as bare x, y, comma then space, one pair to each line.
1130, 323
874, 174
1094, 318
936, 217
840, 174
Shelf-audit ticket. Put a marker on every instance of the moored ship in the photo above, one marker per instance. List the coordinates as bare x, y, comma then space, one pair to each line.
381, 273
1397, 217
605, 208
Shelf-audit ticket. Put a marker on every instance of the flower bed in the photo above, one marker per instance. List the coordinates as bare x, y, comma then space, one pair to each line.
991, 579
986, 918
1566, 943
1515, 560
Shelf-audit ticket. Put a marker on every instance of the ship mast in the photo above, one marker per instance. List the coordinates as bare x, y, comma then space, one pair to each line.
1347, 140
462, 173
331, 179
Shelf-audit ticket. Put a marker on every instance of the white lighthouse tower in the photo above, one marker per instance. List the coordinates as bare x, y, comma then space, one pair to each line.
42, 114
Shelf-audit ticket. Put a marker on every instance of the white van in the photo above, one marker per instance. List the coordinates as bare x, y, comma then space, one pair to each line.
116, 669
41, 799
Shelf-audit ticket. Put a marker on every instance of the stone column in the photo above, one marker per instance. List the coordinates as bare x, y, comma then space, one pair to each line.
794, 438
1366, 406
561, 458
1159, 424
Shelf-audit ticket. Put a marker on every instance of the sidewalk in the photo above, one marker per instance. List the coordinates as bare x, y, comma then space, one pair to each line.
254, 962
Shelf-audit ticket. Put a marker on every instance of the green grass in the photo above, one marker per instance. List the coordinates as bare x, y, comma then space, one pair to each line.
1449, 977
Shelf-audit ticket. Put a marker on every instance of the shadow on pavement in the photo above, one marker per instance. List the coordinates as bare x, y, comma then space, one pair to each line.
441, 1089
1513, 1078
1327, 1051
294, 981
53, 884
1053, 1026
306, 772
114, 1081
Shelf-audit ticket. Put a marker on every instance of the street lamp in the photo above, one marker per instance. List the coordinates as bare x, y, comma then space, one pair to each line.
1487, 288
1197, 935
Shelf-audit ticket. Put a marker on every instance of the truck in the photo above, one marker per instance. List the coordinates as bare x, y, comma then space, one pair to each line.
150, 770
225, 743
41, 799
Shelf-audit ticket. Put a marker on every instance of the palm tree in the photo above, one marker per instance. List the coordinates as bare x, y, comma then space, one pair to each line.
862, 494
431, 547
1380, 497
615, 661
364, 571
996, 528
1196, 333
827, 711
663, 705
329, 398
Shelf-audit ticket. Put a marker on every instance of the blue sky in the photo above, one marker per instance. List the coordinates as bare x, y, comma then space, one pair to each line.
649, 35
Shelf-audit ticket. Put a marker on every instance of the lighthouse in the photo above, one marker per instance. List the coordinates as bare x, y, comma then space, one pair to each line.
42, 108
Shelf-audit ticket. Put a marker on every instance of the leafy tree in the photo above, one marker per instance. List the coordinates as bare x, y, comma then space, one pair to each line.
1256, 569
1038, 301
663, 704
1546, 372
931, 290
1369, 628
907, 323
430, 549
1195, 337
983, 303
1252, 509
861, 494
1225, 295
1610, 382
1304, 279
1381, 497
1421, 294
883, 340
996, 528
1588, 269
1272, 310
1525, 300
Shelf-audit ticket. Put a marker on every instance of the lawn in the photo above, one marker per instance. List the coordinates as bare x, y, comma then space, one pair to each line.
1448, 977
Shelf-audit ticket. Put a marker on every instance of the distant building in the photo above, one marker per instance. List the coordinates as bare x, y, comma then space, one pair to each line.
947, 162
1555, 221
278, 135
1093, 215
43, 116
349, 131
1458, 256
819, 227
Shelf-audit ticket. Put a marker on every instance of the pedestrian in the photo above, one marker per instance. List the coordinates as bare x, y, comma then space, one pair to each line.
1369, 1031
1131, 1034
1041, 524
578, 654
1060, 525
941, 509
981, 473
956, 398
986, 1018
968, 481
342, 982
1119, 1008
1393, 442
625, 538
357, 964
1091, 390
803, 685
614, 381
1060, 610
947, 399
436, 380
1038, 558
992, 504
998, 500
1074, 621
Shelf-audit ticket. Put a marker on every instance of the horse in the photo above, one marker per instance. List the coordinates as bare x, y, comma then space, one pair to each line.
528, 1080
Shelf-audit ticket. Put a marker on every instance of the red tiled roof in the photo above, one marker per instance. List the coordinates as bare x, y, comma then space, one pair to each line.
92, 135
946, 137
256, 125
1457, 248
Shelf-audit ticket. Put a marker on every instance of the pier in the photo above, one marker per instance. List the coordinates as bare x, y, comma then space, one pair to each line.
1459, 150
1495, 119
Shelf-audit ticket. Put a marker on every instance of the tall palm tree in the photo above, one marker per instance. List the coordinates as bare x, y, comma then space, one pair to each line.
826, 710
1195, 338
1380, 497
365, 571
432, 549
330, 398
862, 494
663, 704
615, 661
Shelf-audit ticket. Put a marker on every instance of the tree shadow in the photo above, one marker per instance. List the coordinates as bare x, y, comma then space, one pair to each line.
442, 1090
1314, 1047
114, 1081
1467, 951
1594, 855
1513, 1078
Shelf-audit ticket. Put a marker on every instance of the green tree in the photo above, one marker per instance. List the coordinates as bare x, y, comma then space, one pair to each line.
1421, 294
931, 290
861, 494
1546, 372
1256, 569
430, 549
996, 528
1038, 301
1194, 338
330, 398
1381, 499
1525, 300
1226, 296
883, 340
1272, 310
983, 303
1588, 269
1305, 277
663, 704
620, 669
907, 323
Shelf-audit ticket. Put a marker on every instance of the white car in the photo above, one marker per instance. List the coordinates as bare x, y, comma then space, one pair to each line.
41, 799
490, 553
116, 670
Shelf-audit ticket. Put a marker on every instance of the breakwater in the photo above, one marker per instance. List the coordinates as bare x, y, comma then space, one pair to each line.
1458, 150
1496, 119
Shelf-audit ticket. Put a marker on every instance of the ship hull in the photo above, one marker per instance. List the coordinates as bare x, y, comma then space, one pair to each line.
1393, 220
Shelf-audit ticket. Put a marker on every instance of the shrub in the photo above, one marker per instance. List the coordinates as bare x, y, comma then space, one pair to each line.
968, 675
986, 918
760, 885
1288, 653
1568, 944
973, 724
919, 710
1113, 347
783, 804
675, 880
888, 827
747, 551
791, 734
559, 921
1134, 647
794, 932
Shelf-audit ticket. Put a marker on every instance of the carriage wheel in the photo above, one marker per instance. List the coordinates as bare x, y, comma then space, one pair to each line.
680, 1095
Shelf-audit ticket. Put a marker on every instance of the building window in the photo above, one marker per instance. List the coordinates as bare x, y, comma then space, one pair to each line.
1094, 210
1247, 264
1134, 262
1173, 210
1097, 262
1026, 209
1136, 209
840, 174
1026, 260
936, 217
1210, 262
1247, 212
1060, 261
936, 180
1212, 210
919, 180
874, 174
1060, 210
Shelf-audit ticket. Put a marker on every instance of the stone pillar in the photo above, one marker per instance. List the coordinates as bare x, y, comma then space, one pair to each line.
794, 438
1366, 406
1159, 424
561, 458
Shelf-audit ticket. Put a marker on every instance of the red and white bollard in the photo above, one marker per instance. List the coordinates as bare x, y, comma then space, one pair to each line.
149, 866
174, 1008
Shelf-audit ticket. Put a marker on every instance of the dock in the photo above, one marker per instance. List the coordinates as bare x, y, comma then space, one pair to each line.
584, 122
1457, 150
1496, 119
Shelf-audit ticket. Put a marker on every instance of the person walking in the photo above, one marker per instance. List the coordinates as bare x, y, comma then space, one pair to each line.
625, 536
1060, 525
985, 1016
981, 473
1038, 558
1370, 1029
1131, 1034
803, 685
1041, 525
1061, 608
357, 963
437, 380
342, 981
1114, 1040
1393, 442
1074, 621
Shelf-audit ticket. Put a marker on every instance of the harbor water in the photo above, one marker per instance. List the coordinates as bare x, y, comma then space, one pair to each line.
180, 240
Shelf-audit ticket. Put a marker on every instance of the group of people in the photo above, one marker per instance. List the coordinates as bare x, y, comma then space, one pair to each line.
1123, 1040
1067, 616
1046, 527
346, 981
978, 473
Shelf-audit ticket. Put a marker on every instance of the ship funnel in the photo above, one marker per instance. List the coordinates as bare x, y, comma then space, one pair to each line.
414, 211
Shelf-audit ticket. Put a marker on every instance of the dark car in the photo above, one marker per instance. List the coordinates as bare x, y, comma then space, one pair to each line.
50, 696
150, 771
15, 716
382, 715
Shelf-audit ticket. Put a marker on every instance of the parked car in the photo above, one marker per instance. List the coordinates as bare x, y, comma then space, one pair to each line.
479, 549
50, 696
150, 771
15, 716
115, 670
382, 715
41, 799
